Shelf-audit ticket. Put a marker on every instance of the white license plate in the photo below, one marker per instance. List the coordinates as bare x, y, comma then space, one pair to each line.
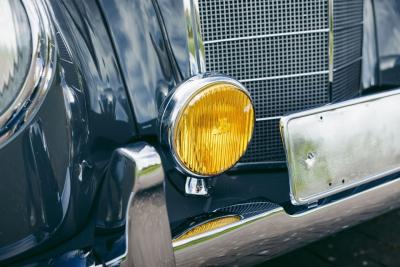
336, 147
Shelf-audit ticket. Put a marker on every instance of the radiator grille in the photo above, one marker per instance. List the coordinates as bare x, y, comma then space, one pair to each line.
279, 49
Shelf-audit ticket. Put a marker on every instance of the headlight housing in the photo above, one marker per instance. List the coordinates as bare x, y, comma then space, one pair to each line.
15, 51
207, 124
27, 58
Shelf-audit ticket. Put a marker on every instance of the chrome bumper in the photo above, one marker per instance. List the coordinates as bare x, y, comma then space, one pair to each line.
249, 241
274, 232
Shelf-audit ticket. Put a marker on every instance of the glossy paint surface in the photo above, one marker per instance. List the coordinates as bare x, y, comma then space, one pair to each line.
35, 188
145, 53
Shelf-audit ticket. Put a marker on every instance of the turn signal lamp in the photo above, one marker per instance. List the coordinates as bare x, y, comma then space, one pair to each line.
209, 123
208, 226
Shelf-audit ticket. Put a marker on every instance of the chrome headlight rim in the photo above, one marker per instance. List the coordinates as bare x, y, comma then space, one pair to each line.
39, 76
176, 103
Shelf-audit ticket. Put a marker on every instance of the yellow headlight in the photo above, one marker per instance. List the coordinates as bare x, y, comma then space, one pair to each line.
213, 128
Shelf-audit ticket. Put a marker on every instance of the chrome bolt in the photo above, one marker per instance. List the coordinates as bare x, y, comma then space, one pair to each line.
196, 186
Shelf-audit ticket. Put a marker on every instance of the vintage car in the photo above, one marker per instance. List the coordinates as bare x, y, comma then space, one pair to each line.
193, 132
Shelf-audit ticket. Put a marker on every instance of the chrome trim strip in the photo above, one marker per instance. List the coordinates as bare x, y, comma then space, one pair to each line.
177, 100
194, 41
264, 36
39, 76
284, 76
331, 44
269, 118
249, 164
273, 232
148, 235
330, 118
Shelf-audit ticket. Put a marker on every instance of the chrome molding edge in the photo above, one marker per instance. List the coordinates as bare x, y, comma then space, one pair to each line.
273, 232
285, 76
265, 36
39, 76
175, 103
269, 118
331, 43
194, 39
148, 234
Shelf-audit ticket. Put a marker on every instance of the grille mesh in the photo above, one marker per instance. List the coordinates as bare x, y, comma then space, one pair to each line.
266, 145
347, 82
246, 210
279, 49
223, 19
283, 95
259, 58
348, 36
347, 12
347, 45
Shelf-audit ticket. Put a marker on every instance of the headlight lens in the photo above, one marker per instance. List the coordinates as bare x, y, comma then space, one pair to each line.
209, 121
214, 129
15, 50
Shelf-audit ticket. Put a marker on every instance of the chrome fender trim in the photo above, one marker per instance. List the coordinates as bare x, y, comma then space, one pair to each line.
269, 234
148, 235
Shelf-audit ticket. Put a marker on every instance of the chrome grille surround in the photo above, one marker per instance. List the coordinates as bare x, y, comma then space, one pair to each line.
289, 54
